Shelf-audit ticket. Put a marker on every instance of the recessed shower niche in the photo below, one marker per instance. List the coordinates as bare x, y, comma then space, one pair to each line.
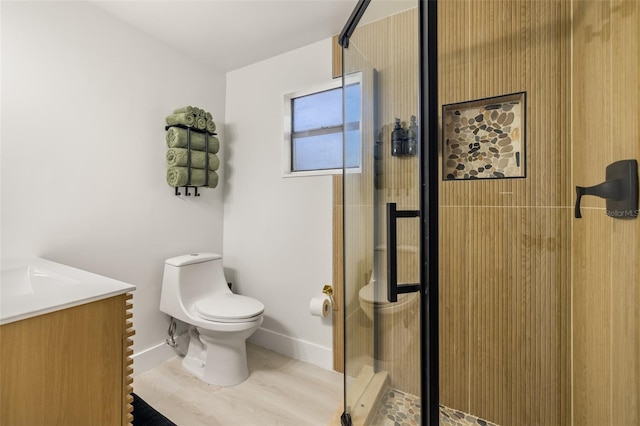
484, 138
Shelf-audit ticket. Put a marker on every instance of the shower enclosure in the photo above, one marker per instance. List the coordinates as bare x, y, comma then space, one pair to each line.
473, 293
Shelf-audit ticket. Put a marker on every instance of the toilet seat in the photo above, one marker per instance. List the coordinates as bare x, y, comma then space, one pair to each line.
378, 297
229, 308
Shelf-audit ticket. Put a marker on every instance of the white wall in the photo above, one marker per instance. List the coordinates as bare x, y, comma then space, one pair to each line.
84, 97
277, 239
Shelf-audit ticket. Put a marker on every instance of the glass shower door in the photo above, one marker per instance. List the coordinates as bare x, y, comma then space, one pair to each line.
381, 202
538, 308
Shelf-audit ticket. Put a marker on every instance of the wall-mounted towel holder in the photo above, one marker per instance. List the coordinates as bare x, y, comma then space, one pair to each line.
620, 189
186, 190
206, 167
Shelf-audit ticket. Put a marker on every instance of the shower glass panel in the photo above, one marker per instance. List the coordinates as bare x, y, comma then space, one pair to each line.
382, 338
538, 311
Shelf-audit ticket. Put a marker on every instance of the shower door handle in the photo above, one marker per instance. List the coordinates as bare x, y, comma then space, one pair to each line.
393, 289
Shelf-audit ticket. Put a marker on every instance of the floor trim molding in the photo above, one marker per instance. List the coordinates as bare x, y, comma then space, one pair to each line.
295, 348
303, 350
150, 358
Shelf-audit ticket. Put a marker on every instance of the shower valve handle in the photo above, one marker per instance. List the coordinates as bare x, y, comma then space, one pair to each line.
620, 190
610, 190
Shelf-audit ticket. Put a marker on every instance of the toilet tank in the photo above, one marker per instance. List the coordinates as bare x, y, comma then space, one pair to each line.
189, 278
192, 259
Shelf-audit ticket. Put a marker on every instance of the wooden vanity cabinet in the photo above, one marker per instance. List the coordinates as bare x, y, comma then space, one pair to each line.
69, 367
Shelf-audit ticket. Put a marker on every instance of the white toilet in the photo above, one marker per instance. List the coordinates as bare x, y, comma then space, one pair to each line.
373, 296
392, 319
373, 300
195, 291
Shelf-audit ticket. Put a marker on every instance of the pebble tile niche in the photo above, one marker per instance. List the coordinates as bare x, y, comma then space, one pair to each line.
484, 139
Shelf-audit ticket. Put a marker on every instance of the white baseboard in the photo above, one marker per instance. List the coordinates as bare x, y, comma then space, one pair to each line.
305, 351
294, 348
152, 357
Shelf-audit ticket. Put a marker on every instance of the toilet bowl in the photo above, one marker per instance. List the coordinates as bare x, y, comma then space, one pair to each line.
373, 300
373, 296
394, 320
195, 291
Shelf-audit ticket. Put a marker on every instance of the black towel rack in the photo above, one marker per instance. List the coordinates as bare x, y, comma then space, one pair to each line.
206, 158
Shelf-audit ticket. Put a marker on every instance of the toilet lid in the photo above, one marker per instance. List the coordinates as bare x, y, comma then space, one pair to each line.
229, 308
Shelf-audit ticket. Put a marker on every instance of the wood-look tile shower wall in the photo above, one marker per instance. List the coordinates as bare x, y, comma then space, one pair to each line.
541, 313
505, 252
606, 252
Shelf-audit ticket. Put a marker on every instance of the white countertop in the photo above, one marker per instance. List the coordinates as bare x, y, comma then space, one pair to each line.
33, 287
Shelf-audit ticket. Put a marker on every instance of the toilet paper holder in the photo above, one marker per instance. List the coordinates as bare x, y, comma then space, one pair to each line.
328, 290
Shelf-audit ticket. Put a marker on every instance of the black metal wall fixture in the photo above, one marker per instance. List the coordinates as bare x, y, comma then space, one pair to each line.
352, 23
206, 159
620, 189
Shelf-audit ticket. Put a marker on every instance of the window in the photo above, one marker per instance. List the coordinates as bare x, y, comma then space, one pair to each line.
313, 134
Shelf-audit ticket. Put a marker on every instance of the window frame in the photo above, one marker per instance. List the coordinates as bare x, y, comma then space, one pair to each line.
287, 151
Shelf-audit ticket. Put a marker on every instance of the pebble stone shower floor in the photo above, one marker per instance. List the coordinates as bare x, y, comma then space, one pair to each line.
401, 409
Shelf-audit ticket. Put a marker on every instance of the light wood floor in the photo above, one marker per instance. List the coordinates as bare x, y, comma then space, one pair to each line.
279, 391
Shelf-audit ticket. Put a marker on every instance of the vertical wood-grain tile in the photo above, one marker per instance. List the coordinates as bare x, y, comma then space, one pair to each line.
592, 319
625, 277
518, 266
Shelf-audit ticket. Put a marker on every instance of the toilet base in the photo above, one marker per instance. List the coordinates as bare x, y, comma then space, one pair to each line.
217, 358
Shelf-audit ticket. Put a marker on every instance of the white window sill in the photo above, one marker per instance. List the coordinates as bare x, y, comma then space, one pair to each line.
327, 172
